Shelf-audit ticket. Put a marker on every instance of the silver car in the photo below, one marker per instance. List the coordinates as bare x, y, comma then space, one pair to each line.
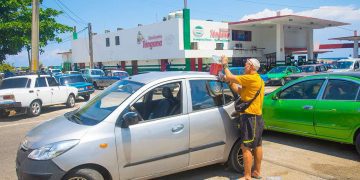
130, 132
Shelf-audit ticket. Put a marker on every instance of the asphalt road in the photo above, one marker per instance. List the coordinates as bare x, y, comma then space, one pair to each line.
285, 156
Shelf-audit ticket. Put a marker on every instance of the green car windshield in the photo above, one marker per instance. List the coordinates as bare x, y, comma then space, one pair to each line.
277, 70
105, 103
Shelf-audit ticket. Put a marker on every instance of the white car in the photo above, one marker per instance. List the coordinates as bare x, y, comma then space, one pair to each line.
346, 65
32, 92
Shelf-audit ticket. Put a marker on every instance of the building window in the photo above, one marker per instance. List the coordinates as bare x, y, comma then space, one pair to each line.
194, 45
107, 42
219, 46
117, 40
239, 35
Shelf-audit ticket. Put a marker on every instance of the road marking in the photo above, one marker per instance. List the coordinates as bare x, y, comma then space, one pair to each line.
19, 124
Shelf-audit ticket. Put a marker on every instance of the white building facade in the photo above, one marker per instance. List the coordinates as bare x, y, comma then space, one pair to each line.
160, 46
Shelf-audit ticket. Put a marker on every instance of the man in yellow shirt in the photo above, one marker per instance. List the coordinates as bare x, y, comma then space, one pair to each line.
251, 122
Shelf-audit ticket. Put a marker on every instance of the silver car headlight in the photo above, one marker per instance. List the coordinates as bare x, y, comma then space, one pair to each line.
52, 150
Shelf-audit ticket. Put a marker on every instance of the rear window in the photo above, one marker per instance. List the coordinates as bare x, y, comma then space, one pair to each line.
13, 83
71, 79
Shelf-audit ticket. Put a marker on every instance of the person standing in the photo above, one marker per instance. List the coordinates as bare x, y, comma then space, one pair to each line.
251, 122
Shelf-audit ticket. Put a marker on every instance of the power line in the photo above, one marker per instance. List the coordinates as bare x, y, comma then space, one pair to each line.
72, 12
69, 38
77, 22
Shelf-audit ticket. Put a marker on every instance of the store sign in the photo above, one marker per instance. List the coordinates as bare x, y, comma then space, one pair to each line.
218, 35
150, 42
198, 31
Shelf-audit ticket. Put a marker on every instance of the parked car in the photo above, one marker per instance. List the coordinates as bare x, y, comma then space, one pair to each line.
54, 71
128, 132
110, 77
72, 72
90, 74
241, 70
278, 74
345, 65
307, 70
32, 92
77, 81
323, 106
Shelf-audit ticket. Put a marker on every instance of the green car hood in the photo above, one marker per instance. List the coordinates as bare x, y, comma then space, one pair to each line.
276, 75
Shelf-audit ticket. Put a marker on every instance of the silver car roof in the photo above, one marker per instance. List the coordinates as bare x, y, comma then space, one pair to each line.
153, 76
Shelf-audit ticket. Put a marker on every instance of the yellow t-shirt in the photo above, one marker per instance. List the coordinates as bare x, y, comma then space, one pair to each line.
250, 85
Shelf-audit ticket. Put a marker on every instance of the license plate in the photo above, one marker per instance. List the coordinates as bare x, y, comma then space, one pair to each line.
81, 89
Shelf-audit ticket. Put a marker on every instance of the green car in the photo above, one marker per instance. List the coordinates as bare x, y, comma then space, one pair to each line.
323, 106
276, 76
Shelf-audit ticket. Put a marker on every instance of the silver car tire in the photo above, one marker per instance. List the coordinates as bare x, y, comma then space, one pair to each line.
84, 174
70, 101
35, 108
236, 158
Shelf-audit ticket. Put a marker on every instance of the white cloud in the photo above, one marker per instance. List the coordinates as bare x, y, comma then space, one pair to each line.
267, 13
339, 13
342, 13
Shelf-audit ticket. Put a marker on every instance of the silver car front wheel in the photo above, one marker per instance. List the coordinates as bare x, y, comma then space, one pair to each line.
84, 174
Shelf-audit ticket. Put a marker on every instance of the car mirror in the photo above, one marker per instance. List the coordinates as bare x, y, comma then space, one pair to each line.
275, 96
129, 118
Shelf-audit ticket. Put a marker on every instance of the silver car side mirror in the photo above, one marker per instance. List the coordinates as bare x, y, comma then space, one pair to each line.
129, 118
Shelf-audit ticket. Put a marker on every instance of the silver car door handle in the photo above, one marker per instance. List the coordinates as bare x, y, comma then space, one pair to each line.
308, 107
177, 128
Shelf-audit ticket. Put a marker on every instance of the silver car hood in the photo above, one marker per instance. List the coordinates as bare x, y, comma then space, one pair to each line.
55, 130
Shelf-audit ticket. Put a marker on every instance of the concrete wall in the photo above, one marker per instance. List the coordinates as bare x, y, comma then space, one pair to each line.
156, 41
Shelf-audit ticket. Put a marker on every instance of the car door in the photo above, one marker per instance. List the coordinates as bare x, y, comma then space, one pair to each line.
357, 66
293, 108
208, 120
337, 113
58, 93
160, 141
42, 90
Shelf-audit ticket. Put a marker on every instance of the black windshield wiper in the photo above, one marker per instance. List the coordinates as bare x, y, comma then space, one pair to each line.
76, 119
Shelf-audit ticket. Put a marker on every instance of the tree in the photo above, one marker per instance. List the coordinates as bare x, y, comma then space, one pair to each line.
15, 27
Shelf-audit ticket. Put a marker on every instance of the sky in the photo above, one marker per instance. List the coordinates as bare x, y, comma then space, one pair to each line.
112, 14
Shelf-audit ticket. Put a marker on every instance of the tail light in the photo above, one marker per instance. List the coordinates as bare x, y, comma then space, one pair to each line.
9, 97
89, 87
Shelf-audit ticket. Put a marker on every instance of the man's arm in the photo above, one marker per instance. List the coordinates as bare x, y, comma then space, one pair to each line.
235, 88
228, 75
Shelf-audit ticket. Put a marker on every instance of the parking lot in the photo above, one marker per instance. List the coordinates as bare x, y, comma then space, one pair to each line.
285, 156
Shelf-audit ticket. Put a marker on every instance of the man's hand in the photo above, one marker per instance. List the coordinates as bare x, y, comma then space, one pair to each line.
224, 60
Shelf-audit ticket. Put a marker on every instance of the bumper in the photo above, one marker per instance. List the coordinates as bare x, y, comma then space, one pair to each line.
81, 93
28, 169
9, 105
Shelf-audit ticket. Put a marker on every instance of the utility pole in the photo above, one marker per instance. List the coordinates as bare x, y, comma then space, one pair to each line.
35, 37
90, 47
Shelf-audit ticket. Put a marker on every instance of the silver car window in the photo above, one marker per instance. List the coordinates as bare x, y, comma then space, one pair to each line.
160, 102
105, 103
209, 93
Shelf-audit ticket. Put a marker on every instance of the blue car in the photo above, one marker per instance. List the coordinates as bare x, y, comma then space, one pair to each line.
240, 71
78, 81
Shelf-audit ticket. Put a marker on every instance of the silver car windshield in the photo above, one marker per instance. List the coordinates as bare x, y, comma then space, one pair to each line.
97, 109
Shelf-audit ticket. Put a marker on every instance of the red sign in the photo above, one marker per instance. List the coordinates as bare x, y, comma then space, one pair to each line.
220, 34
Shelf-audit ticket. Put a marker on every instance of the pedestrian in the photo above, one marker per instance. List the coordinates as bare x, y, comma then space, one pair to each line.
251, 123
